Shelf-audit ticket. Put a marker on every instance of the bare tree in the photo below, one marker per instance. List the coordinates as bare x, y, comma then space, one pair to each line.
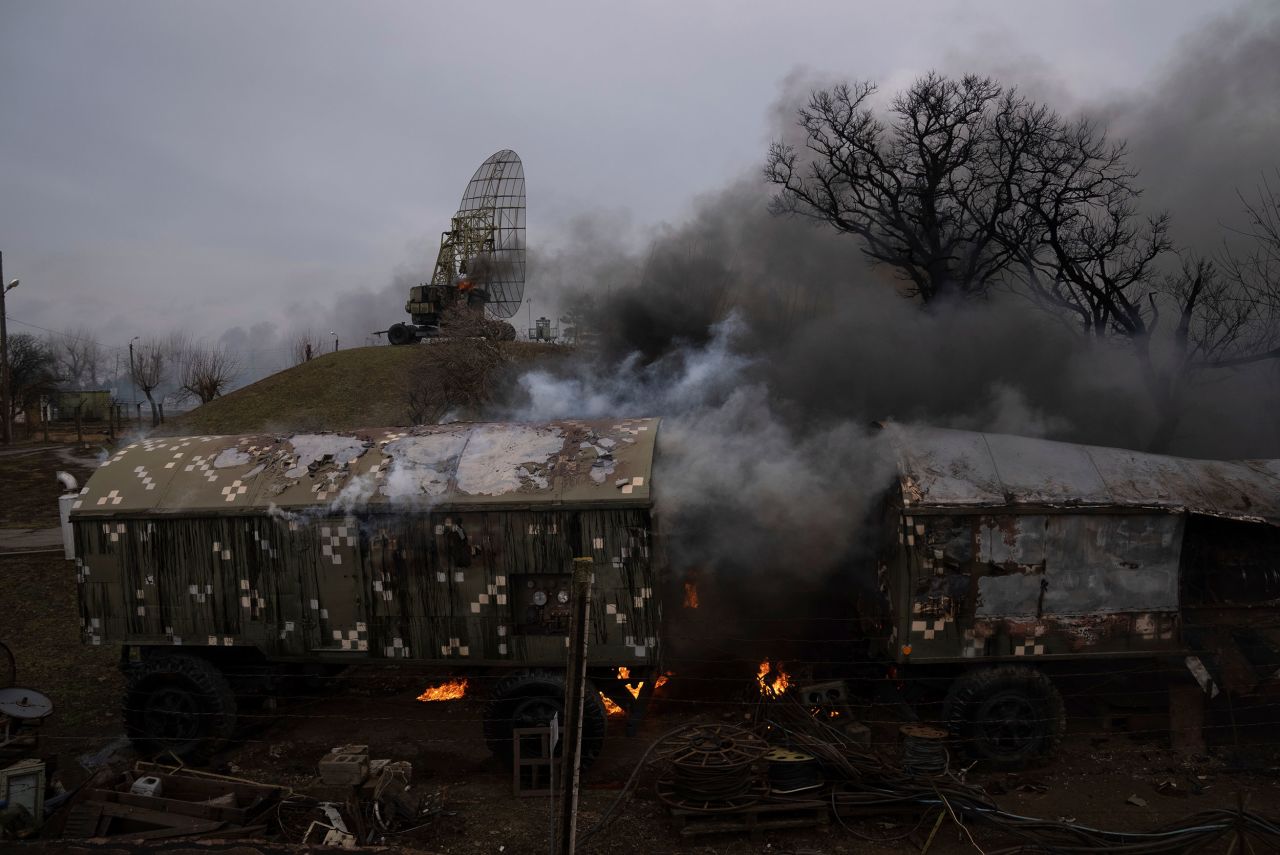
1253, 274
580, 315
33, 372
1102, 264
204, 371
150, 368
304, 347
967, 186
457, 374
79, 356
933, 191
1090, 253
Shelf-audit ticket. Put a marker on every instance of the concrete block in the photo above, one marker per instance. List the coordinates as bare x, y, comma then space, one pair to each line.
344, 770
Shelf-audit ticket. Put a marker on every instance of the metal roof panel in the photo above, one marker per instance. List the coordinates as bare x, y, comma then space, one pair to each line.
942, 468
454, 465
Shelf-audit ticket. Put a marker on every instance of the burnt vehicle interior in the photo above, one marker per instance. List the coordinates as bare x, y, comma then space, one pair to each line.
1231, 588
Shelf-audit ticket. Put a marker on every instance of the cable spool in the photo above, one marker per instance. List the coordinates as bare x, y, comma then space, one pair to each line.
793, 771
711, 768
924, 750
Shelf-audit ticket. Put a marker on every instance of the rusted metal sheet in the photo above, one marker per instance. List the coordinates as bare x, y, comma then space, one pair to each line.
941, 469
1028, 585
1068, 564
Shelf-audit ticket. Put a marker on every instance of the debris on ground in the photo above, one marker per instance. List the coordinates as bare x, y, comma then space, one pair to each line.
152, 802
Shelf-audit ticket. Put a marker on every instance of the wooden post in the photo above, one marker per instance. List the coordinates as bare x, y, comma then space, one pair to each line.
1186, 718
575, 693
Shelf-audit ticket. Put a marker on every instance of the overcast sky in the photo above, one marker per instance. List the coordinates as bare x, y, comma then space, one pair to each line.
208, 165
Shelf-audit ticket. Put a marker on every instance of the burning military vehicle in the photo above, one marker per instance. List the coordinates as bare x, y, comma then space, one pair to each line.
1003, 564
1006, 562
211, 558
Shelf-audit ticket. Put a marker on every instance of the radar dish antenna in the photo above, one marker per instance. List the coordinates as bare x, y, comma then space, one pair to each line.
485, 243
481, 260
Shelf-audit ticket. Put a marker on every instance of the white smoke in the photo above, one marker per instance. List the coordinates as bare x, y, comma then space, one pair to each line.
736, 484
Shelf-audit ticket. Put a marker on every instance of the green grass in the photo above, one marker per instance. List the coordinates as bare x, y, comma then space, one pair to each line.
360, 387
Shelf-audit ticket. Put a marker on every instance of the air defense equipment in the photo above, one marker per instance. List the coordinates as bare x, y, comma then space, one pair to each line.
481, 262
996, 567
1008, 564
208, 558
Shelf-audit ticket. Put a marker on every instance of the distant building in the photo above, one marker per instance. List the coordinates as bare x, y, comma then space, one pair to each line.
94, 405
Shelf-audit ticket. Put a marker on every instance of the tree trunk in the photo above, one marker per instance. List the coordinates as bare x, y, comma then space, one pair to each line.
155, 412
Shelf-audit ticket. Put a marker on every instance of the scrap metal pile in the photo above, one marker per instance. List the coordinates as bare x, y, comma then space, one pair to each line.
793, 767
360, 801
154, 803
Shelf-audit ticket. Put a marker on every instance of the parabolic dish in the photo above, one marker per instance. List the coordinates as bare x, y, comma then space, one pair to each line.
497, 189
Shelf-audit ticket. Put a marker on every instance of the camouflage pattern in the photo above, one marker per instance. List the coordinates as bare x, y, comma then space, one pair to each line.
425, 543
1003, 547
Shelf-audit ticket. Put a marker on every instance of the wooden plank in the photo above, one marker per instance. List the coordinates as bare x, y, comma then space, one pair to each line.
196, 787
163, 833
82, 820
169, 821
239, 816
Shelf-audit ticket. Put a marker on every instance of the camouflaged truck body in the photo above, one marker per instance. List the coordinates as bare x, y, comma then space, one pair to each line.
450, 542
1009, 548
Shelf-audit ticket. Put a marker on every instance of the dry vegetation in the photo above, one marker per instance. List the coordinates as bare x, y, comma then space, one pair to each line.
367, 387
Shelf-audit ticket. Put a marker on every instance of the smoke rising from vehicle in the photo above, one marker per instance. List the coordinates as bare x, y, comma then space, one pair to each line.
769, 345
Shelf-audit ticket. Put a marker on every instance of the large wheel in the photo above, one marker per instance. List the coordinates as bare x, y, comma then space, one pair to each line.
401, 334
530, 699
496, 330
1009, 715
178, 704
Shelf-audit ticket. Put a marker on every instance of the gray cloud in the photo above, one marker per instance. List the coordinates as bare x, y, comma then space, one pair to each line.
206, 166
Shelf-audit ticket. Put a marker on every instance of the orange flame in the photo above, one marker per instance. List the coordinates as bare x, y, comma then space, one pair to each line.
779, 683
449, 691
690, 595
610, 708
624, 673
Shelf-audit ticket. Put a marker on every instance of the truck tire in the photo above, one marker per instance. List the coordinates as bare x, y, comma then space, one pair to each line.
1007, 716
399, 334
530, 699
178, 704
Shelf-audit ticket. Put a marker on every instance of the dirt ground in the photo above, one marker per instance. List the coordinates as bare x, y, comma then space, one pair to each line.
1098, 769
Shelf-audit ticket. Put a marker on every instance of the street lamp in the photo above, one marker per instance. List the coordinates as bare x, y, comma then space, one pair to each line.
7, 433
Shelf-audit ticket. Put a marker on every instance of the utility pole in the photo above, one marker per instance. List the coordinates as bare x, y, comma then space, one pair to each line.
133, 382
7, 433
575, 692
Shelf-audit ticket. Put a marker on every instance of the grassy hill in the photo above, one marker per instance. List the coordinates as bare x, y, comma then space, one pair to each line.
360, 387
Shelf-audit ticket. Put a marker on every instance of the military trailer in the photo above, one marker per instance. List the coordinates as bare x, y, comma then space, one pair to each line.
219, 562
1006, 562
